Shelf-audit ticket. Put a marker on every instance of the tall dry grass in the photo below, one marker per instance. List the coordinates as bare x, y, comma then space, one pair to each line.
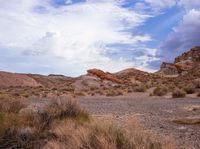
100, 134
32, 129
65, 125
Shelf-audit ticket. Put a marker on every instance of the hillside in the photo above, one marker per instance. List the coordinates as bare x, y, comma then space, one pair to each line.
17, 80
183, 71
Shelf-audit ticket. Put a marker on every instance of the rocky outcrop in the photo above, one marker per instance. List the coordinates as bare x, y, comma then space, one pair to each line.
168, 69
104, 75
183, 64
17, 80
192, 55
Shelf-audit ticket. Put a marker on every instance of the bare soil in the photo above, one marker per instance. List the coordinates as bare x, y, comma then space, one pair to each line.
155, 113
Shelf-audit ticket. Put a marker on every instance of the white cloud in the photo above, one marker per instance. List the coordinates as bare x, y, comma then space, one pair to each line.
76, 34
185, 36
161, 4
190, 4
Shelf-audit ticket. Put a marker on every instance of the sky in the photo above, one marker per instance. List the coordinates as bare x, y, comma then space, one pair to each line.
70, 36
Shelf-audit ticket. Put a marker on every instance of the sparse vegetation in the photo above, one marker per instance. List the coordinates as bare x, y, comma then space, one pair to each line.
79, 93
190, 89
99, 133
33, 125
197, 83
160, 91
9, 105
139, 88
178, 93
112, 92
65, 124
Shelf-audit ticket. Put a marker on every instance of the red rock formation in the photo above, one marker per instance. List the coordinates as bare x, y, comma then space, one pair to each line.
184, 66
104, 75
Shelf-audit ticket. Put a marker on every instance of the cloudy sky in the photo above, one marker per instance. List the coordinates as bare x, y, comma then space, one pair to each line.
70, 36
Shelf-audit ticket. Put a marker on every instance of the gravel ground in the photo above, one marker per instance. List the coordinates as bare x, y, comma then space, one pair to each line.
155, 113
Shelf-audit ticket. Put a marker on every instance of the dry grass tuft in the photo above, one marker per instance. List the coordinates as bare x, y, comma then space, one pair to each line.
10, 105
160, 91
112, 92
139, 88
178, 93
100, 134
31, 128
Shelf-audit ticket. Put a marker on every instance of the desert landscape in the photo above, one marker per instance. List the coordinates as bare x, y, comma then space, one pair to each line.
99, 74
129, 109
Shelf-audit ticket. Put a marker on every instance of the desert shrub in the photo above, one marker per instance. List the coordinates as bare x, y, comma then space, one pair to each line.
101, 134
149, 84
178, 93
80, 93
30, 129
139, 88
151, 94
16, 133
7, 121
112, 92
171, 87
68, 88
189, 89
58, 111
160, 91
11, 105
93, 88
179, 85
197, 83
71, 109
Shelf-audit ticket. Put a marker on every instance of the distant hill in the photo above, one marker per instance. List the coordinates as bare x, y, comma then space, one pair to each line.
186, 67
14, 79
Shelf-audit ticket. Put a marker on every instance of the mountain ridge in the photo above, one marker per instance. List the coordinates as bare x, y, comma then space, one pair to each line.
186, 64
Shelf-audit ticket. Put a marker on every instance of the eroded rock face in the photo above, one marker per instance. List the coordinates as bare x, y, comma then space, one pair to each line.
183, 64
104, 75
192, 55
17, 80
168, 69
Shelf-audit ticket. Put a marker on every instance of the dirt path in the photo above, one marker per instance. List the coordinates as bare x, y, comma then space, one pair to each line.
155, 113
